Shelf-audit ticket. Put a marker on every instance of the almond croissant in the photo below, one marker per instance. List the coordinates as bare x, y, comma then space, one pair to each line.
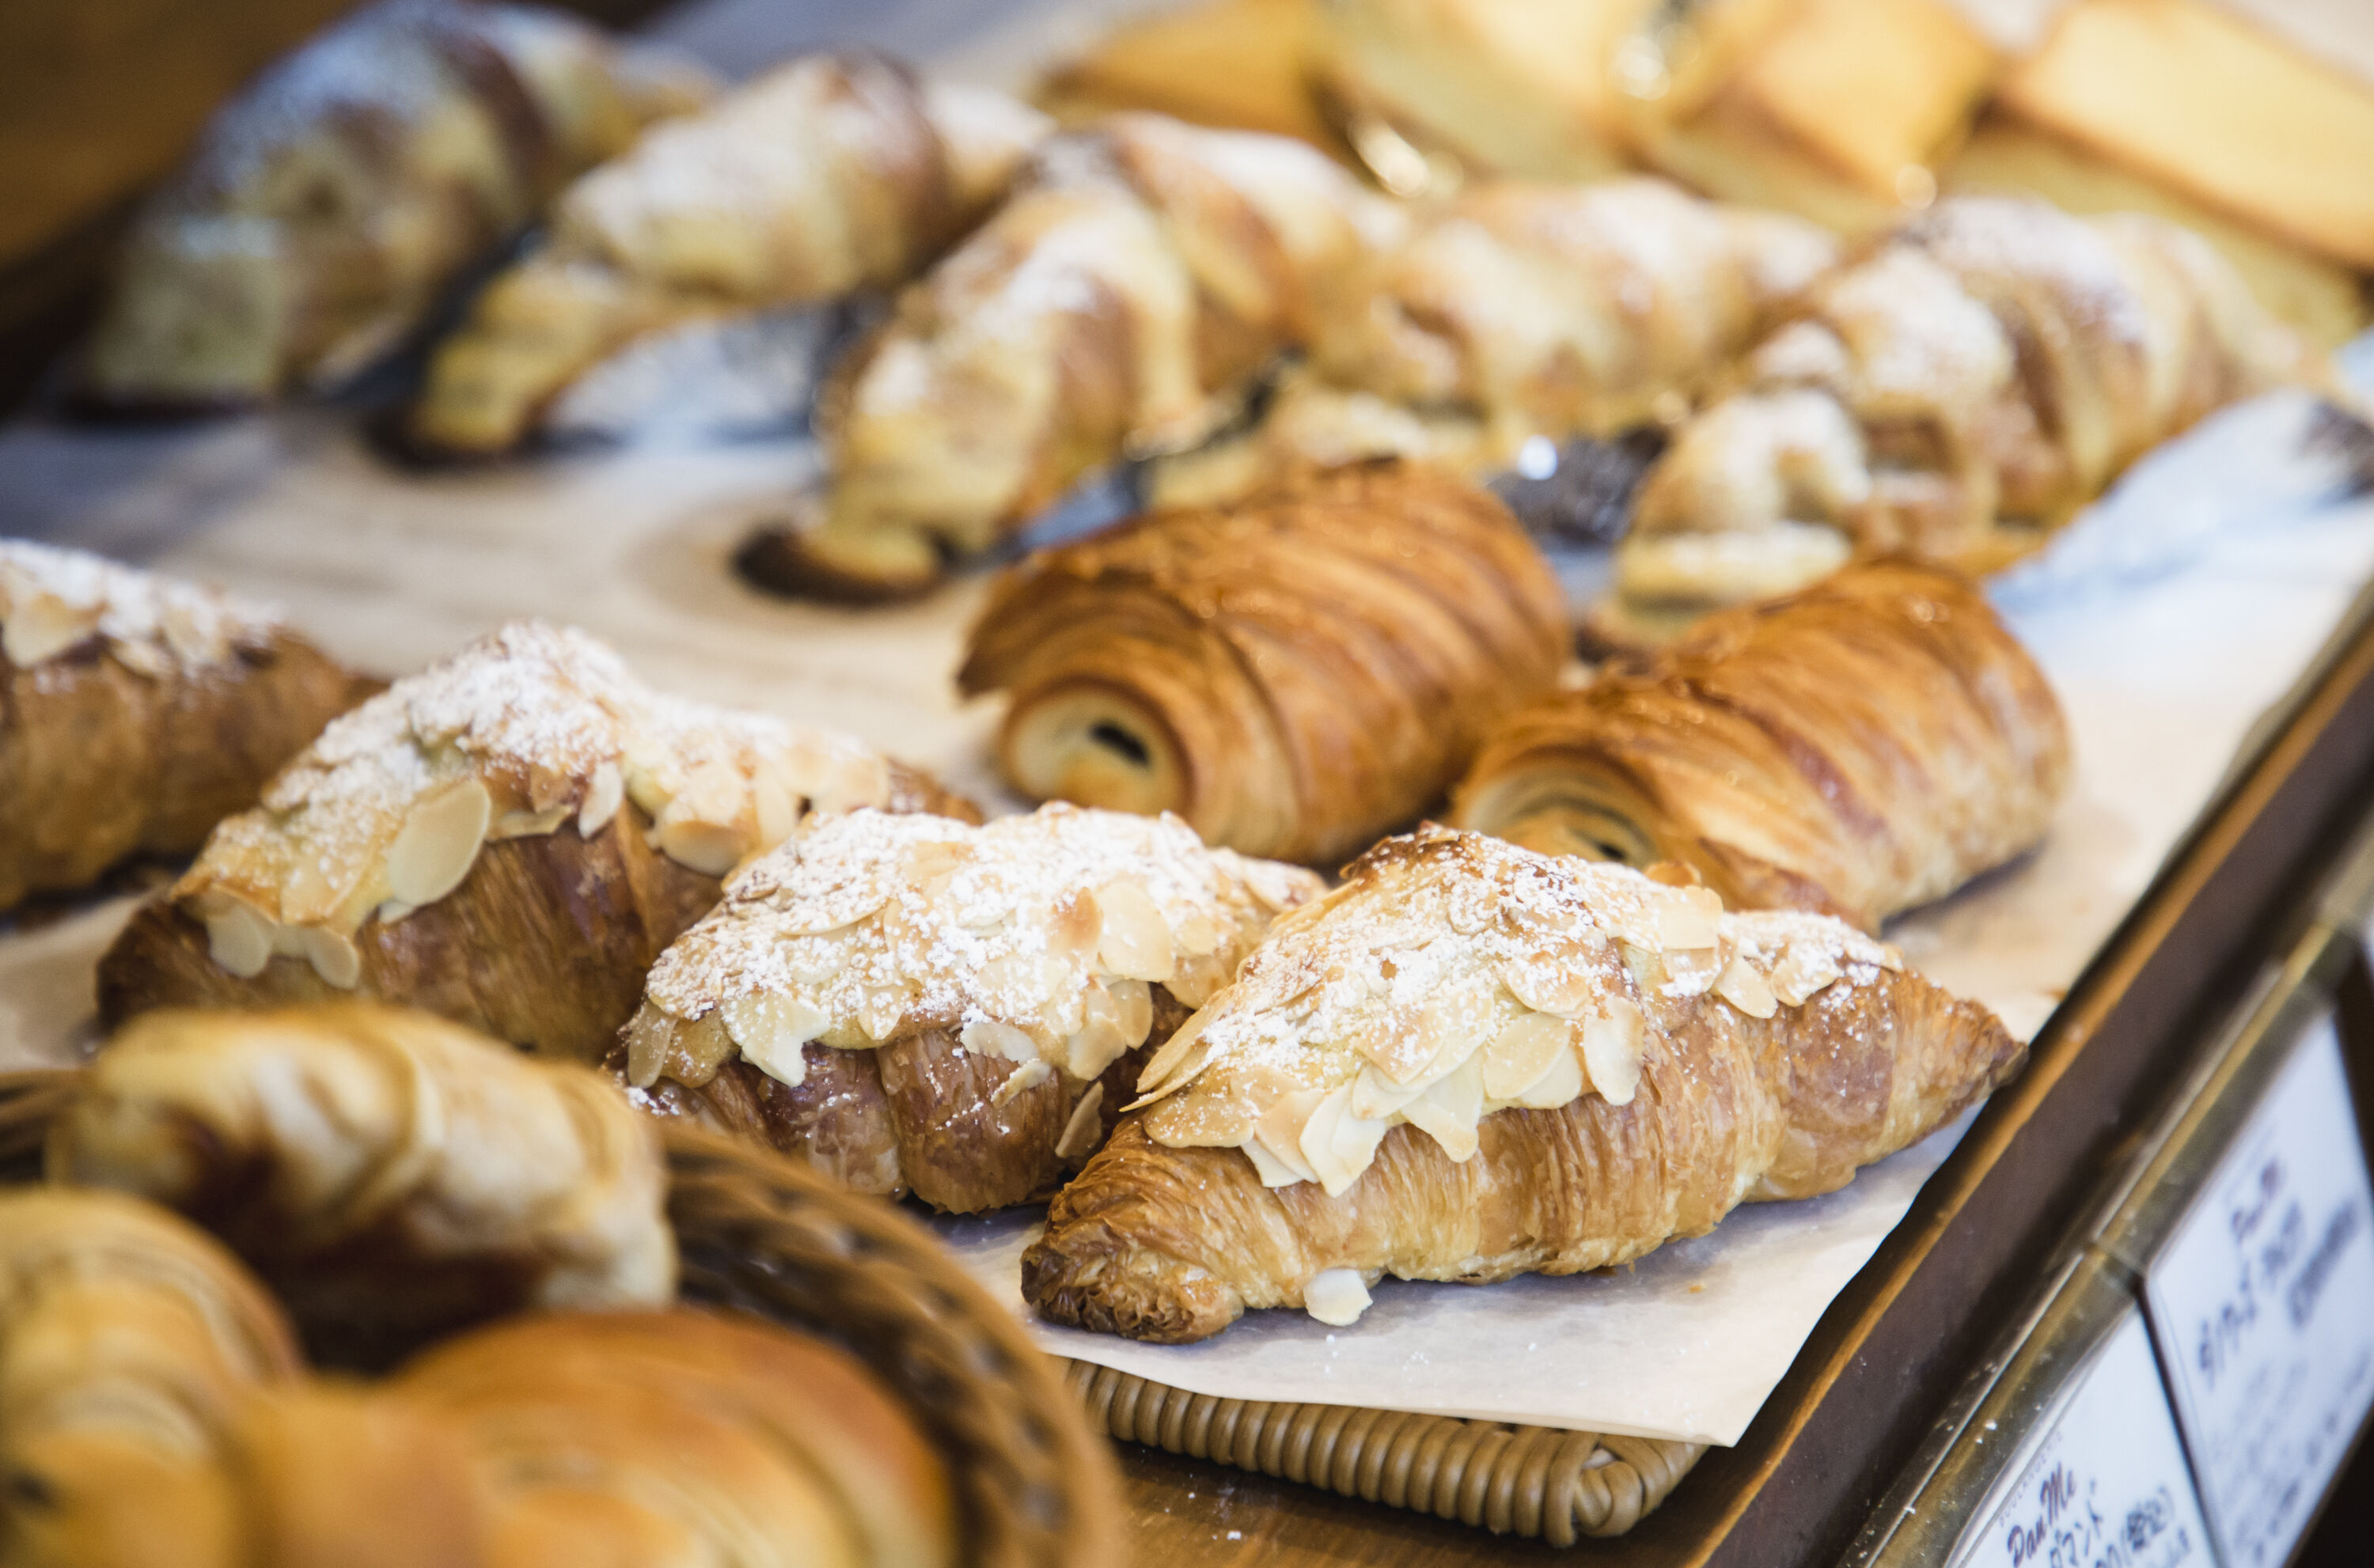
1956, 395
1294, 675
327, 207
1472, 1061
1858, 749
1120, 303
1519, 312
827, 175
390, 1172
136, 712
916, 1004
507, 840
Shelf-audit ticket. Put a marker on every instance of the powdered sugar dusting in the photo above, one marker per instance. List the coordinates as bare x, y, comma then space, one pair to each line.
1020, 935
54, 599
1453, 975
544, 726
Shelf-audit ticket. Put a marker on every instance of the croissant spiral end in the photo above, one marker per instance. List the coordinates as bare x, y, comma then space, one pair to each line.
876, 567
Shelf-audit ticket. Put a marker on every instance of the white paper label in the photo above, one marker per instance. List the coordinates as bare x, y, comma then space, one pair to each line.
2263, 1302
2103, 1485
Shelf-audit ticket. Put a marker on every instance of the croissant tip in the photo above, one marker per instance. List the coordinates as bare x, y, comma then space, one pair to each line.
782, 560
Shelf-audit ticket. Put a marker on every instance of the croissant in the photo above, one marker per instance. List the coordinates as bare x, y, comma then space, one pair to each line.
1294, 675
917, 1004
326, 207
1864, 746
1956, 395
827, 175
128, 1342
1523, 312
508, 840
1120, 303
1472, 1062
136, 712
642, 1438
391, 1174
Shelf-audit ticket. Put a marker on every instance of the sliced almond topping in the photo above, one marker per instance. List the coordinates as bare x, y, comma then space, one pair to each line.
776, 805
527, 823
1135, 942
814, 960
1029, 1075
705, 846
1548, 985
1197, 932
1691, 971
1094, 1047
1337, 1297
883, 1009
771, 1032
140, 658
1338, 1144
41, 626
392, 910
1172, 1056
649, 1037
1744, 986
1686, 917
1273, 1171
605, 792
1803, 971
307, 895
239, 938
1525, 1051
1378, 1097
1081, 1132
332, 957
440, 843
1279, 1132
1075, 928
987, 1036
696, 1049
1560, 1083
1136, 1009
1199, 975
1448, 1112
1612, 1048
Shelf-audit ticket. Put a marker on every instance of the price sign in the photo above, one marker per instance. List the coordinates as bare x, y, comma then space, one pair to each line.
2264, 1304
2103, 1483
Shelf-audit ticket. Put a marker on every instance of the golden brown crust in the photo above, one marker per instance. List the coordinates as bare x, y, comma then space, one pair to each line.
1173, 1244
1294, 675
1863, 747
100, 761
463, 1180
545, 944
709, 1428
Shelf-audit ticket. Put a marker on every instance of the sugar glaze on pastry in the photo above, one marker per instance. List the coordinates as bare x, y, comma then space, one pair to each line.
1472, 1062
891, 976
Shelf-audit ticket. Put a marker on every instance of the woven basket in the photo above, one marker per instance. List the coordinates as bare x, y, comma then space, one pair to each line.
760, 1233
1552, 1485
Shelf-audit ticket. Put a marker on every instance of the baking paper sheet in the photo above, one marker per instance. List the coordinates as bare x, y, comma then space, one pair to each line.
2170, 621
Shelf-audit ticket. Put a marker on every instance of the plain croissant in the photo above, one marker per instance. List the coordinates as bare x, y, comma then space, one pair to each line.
393, 1175
1120, 303
830, 174
507, 839
1294, 674
136, 712
1956, 395
1472, 1062
1859, 748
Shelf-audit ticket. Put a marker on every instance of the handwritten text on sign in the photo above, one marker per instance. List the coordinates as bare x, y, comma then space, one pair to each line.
2263, 1301
2102, 1486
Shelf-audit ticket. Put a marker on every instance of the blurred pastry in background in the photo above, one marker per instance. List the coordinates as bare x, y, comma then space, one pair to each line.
1123, 303
1294, 674
1518, 313
828, 175
136, 712
326, 208
1232, 64
507, 839
1955, 396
